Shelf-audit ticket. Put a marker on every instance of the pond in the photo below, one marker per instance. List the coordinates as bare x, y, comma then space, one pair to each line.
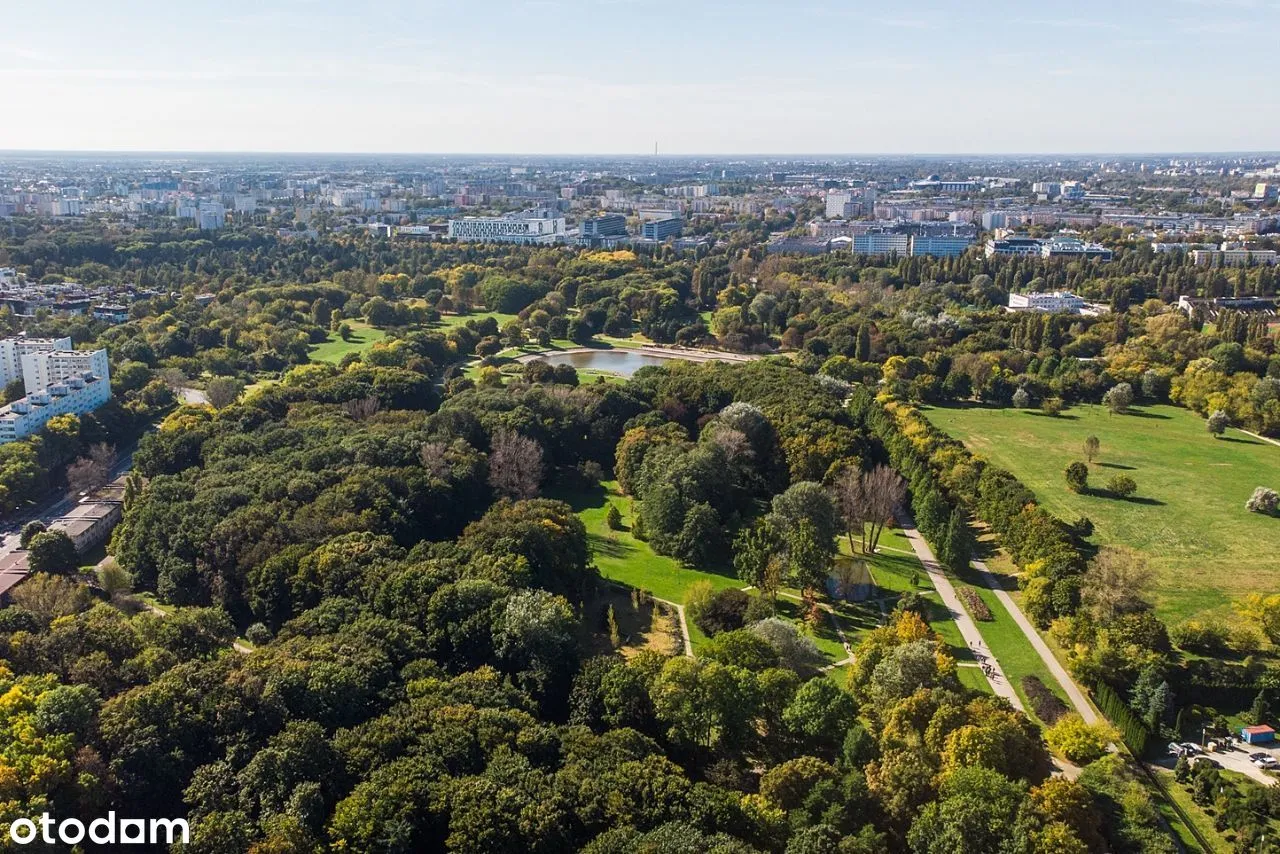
622, 362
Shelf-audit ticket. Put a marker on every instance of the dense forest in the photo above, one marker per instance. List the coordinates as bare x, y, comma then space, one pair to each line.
391, 536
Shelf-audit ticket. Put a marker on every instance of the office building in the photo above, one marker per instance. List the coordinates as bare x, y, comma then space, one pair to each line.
880, 243
1013, 246
530, 226
12, 351
608, 225
661, 229
1056, 301
839, 204
940, 247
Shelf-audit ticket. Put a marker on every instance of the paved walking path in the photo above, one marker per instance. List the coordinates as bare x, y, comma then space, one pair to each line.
968, 630
1074, 694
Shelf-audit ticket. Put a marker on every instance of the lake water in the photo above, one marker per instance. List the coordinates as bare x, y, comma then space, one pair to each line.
623, 362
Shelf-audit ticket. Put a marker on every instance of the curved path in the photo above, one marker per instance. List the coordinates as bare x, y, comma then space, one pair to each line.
968, 629
657, 351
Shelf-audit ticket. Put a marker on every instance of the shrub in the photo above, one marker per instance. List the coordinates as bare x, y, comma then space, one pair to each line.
1077, 475
699, 594
1122, 486
973, 602
1263, 500
1197, 636
724, 612
1217, 423
613, 518
1078, 741
1051, 406
257, 634
1021, 400
1047, 705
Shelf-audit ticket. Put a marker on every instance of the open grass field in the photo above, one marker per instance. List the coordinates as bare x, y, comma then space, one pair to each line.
1188, 514
363, 336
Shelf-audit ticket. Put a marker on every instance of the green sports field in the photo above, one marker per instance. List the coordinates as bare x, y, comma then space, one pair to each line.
1188, 513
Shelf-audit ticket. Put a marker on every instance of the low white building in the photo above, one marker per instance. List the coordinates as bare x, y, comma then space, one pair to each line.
1053, 302
531, 226
74, 396
1233, 257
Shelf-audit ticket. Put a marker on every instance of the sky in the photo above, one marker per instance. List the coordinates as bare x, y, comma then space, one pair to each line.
618, 76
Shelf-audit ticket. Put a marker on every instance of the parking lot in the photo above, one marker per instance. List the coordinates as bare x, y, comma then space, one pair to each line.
1236, 758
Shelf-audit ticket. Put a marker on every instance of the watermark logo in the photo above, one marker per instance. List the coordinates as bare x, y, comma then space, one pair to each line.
102, 831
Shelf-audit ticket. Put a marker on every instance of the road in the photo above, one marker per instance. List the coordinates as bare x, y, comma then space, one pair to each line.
968, 629
54, 507
1081, 703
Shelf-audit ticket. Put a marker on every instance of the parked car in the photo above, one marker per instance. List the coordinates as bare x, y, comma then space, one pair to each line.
1254, 757
1191, 747
1267, 762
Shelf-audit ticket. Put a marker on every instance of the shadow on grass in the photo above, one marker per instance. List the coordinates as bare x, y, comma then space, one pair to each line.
1118, 466
1148, 502
1138, 413
1239, 441
1061, 416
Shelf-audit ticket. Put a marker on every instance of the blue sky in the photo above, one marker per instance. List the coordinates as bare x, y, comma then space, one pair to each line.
613, 76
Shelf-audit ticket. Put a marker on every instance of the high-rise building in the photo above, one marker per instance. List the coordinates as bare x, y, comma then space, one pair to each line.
42, 368
881, 243
12, 351
608, 225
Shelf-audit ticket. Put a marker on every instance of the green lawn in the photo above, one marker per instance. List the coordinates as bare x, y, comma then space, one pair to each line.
1188, 514
621, 557
450, 320
363, 336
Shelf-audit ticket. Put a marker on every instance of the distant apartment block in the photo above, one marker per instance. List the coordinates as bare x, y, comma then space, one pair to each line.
530, 226
1070, 247
1233, 257
940, 247
46, 367
1053, 302
661, 229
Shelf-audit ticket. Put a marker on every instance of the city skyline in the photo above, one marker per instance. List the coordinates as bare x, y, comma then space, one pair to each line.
611, 78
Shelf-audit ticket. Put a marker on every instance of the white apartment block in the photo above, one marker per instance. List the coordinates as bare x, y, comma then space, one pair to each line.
12, 351
73, 396
1055, 301
532, 226
1232, 257
43, 368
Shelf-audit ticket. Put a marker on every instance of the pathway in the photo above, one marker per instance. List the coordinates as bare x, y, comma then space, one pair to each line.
968, 629
684, 624
1074, 694
1256, 436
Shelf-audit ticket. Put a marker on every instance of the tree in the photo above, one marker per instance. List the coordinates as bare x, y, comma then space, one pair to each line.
1021, 399
1217, 423
1119, 398
809, 555
1122, 486
90, 472
1077, 475
1116, 583
613, 518
755, 549
1078, 741
868, 501
1265, 610
1051, 406
1263, 500
52, 552
29, 530
1092, 446
725, 612
819, 716
515, 464
223, 391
